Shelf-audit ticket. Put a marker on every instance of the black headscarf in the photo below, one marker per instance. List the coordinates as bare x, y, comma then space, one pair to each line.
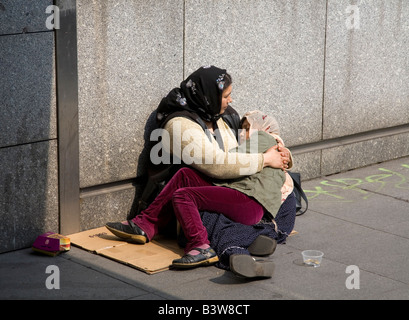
200, 94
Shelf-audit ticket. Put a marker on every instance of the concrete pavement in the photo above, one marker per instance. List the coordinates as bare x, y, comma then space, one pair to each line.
359, 219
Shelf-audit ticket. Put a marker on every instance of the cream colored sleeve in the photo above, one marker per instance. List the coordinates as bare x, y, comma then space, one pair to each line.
190, 143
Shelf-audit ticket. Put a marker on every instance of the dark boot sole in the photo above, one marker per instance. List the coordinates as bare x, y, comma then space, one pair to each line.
245, 266
263, 246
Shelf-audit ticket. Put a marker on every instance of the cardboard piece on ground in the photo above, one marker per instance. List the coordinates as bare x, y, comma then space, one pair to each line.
152, 257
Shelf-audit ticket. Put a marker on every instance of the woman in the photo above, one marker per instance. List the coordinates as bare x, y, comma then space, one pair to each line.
199, 104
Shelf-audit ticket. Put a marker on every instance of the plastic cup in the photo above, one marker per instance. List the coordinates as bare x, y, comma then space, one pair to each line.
312, 257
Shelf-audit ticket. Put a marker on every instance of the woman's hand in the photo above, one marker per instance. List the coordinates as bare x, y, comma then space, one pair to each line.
276, 157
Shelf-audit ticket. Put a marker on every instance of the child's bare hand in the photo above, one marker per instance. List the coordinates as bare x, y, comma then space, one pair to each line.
284, 150
275, 158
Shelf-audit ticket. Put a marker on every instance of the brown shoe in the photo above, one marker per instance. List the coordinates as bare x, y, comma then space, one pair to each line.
263, 246
246, 266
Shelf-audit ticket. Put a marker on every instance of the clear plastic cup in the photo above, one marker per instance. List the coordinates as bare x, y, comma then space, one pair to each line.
312, 257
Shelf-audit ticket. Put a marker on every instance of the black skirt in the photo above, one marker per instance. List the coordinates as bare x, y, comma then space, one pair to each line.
227, 237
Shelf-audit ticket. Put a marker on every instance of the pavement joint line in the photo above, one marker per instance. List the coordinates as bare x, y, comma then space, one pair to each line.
386, 195
358, 224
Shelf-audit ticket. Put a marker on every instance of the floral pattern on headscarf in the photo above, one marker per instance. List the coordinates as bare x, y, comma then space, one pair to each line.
220, 81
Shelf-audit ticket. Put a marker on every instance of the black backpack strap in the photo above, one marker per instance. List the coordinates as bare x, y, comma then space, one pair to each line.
299, 193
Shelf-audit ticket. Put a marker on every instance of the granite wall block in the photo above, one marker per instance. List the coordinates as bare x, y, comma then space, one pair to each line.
28, 193
130, 54
112, 205
366, 67
21, 16
307, 164
27, 88
364, 153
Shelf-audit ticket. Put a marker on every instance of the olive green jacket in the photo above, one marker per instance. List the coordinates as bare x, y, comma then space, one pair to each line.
264, 186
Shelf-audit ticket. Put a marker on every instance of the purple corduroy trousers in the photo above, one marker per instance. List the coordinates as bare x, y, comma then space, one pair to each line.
189, 192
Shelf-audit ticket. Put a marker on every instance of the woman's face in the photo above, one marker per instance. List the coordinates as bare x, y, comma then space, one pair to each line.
226, 99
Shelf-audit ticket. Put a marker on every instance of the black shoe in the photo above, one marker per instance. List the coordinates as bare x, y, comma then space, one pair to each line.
246, 266
205, 257
263, 246
127, 231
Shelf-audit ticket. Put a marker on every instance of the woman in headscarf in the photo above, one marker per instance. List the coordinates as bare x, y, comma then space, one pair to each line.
197, 107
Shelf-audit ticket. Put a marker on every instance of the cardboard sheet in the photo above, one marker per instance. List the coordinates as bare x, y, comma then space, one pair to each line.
152, 257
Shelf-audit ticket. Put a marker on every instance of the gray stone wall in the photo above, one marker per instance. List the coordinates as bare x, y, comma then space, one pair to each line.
28, 145
335, 73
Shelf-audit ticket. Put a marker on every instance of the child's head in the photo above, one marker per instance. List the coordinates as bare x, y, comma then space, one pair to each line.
257, 121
